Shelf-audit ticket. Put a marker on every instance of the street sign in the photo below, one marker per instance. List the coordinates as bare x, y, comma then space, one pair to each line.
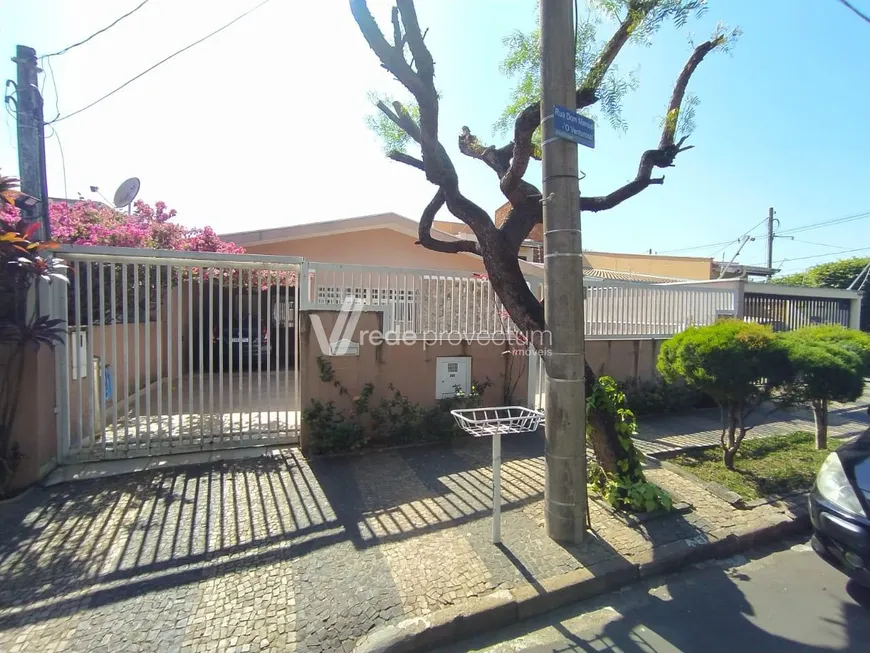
573, 126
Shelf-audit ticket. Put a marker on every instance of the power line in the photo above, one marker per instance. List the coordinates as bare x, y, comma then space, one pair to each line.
855, 9
825, 223
97, 33
716, 245
689, 249
162, 61
810, 242
846, 251
54, 86
62, 159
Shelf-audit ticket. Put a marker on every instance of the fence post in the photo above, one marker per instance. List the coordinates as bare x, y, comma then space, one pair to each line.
739, 297
855, 312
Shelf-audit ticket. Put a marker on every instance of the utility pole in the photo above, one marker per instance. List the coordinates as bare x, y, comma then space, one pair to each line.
770, 237
31, 138
565, 455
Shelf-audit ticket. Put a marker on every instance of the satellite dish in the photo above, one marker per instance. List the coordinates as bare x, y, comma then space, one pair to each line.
126, 193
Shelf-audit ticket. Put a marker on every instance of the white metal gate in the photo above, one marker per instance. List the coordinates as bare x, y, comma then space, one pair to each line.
178, 351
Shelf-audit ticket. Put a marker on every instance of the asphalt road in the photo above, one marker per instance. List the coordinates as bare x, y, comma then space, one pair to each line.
782, 599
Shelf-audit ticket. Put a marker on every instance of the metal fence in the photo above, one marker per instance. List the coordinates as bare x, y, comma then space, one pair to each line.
784, 313
430, 302
177, 351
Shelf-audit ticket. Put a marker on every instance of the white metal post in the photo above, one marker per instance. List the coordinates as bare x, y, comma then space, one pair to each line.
496, 487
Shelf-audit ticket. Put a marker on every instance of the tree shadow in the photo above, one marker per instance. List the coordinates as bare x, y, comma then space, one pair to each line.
705, 609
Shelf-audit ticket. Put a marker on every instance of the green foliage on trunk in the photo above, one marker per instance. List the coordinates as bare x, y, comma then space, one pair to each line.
628, 489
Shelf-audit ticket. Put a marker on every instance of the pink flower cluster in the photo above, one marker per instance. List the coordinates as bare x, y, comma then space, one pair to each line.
95, 224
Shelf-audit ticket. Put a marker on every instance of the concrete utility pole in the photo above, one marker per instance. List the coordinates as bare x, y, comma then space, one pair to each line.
31, 138
770, 237
565, 489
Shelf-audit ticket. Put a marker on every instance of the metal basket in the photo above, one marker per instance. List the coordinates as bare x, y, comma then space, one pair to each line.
481, 422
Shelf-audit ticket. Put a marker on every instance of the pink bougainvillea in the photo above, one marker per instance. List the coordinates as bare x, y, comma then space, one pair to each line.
95, 224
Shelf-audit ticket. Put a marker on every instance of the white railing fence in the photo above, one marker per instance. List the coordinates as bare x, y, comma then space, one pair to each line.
440, 303
421, 302
650, 311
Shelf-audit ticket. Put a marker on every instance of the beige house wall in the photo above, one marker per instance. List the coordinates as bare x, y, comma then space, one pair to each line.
681, 267
410, 368
624, 360
382, 247
126, 377
35, 427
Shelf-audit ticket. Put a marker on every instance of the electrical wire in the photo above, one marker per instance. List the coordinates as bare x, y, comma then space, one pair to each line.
55, 135
56, 97
818, 225
97, 33
715, 245
858, 12
689, 249
846, 251
161, 62
810, 242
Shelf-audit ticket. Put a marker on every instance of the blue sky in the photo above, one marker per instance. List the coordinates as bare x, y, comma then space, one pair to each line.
263, 125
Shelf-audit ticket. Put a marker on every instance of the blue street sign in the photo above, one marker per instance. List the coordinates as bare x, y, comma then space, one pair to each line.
573, 126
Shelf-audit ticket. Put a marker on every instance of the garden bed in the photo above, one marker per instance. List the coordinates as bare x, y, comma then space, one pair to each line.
776, 465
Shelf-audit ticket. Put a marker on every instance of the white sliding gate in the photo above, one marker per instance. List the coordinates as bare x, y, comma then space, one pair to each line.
177, 351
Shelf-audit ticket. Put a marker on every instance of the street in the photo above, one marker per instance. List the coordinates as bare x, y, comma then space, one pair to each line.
783, 599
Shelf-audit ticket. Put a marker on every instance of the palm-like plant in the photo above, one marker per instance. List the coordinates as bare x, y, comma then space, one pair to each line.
22, 263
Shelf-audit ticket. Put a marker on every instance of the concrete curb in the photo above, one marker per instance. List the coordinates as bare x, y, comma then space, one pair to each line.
717, 490
506, 607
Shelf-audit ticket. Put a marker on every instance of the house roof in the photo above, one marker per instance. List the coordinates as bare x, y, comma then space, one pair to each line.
621, 275
390, 220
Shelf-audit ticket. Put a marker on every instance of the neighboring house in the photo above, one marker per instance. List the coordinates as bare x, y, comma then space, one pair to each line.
389, 240
651, 268
385, 240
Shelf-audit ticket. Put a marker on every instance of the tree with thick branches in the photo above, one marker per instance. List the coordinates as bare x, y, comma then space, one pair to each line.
407, 57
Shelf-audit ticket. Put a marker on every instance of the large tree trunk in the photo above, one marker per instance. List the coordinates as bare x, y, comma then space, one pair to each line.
508, 281
820, 415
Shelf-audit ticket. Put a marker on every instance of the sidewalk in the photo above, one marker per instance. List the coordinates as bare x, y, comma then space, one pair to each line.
672, 433
281, 554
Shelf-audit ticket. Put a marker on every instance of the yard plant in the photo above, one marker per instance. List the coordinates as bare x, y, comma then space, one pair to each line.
23, 326
737, 363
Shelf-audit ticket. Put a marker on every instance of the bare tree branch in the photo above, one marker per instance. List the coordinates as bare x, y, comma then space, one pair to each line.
637, 12
391, 58
425, 231
398, 40
421, 54
664, 156
497, 159
401, 157
671, 118
437, 165
530, 117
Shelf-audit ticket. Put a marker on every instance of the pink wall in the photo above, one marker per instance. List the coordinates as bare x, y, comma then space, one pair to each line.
410, 368
383, 247
35, 427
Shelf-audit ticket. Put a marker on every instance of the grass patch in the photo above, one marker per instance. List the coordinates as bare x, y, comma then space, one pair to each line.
774, 465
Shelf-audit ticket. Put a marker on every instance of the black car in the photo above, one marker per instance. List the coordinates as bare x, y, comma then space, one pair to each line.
839, 509
242, 342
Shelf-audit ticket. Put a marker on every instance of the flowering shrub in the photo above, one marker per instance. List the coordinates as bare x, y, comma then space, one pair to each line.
95, 224
91, 223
